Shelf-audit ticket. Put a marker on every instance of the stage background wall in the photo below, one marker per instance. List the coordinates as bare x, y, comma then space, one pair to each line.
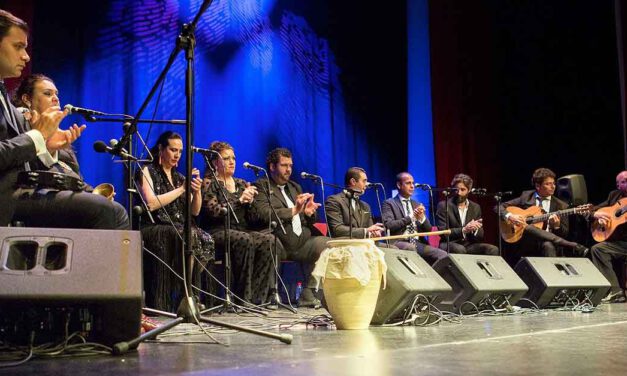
513, 85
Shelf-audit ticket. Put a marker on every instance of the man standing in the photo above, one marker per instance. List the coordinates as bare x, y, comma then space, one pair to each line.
604, 254
403, 215
348, 216
464, 220
22, 144
297, 212
535, 240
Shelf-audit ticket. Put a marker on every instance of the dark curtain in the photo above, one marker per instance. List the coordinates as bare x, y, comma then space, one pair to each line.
521, 85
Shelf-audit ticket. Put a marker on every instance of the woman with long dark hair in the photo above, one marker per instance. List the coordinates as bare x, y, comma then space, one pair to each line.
163, 190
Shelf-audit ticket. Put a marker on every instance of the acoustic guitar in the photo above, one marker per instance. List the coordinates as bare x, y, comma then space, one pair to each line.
617, 216
535, 216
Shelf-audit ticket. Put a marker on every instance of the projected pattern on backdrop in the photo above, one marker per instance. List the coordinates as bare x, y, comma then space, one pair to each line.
262, 81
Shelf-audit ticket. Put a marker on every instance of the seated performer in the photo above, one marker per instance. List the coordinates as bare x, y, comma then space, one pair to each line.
36, 94
163, 190
251, 251
403, 215
535, 240
464, 220
606, 253
23, 144
359, 217
297, 211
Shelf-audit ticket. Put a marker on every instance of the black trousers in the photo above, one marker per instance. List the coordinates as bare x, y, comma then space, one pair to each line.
605, 255
472, 248
68, 209
427, 252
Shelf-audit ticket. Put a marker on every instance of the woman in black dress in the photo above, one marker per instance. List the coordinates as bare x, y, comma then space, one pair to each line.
163, 188
251, 251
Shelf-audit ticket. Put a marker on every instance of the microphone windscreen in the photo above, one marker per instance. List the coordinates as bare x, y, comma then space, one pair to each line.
100, 146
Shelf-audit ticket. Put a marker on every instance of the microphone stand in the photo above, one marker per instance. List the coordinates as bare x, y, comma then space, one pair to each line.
498, 197
352, 194
227, 304
318, 179
446, 192
188, 310
130, 173
376, 191
275, 299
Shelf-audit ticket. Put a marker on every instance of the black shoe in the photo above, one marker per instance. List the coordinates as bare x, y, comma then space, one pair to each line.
307, 299
615, 297
581, 250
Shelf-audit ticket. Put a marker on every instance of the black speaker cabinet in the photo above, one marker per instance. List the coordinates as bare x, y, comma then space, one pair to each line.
89, 280
559, 281
408, 275
478, 282
572, 189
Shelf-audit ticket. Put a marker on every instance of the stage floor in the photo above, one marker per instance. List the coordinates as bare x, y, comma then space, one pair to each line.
549, 343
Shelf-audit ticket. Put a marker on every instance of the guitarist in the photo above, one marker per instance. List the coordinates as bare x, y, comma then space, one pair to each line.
615, 249
535, 240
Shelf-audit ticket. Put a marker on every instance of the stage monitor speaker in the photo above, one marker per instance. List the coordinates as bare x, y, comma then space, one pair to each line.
572, 189
479, 282
408, 275
87, 280
560, 281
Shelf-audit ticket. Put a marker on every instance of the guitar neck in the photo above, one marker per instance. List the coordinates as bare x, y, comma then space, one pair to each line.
545, 217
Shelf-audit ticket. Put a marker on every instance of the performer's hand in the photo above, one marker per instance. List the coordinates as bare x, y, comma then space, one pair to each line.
196, 182
375, 230
419, 212
63, 139
603, 218
516, 219
311, 207
48, 121
248, 196
301, 202
554, 221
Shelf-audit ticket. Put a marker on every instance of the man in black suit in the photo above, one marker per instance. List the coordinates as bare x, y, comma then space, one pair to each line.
23, 145
354, 221
535, 240
464, 220
403, 215
606, 253
297, 212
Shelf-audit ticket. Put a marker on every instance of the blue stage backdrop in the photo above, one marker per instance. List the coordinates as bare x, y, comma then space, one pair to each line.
267, 75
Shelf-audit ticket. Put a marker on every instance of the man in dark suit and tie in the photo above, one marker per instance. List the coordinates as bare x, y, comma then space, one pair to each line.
464, 220
607, 253
297, 212
403, 215
349, 216
535, 240
23, 144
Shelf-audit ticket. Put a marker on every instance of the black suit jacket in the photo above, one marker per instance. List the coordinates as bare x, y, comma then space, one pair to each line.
16, 148
455, 221
290, 241
395, 220
339, 220
527, 199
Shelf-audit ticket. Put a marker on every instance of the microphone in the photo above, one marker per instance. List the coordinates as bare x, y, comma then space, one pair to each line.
101, 147
82, 111
478, 191
306, 175
424, 187
208, 152
113, 143
373, 185
256, 169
